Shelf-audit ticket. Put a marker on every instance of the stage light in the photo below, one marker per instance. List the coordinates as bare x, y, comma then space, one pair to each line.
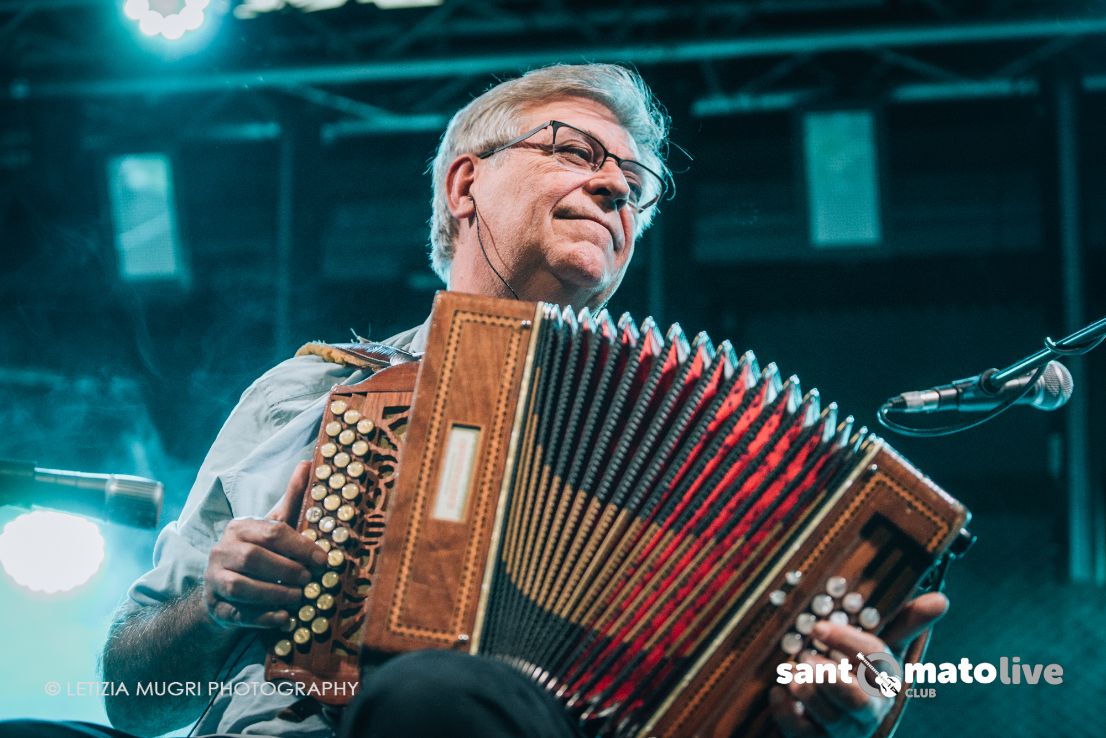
75, 551
182, 17
145, 218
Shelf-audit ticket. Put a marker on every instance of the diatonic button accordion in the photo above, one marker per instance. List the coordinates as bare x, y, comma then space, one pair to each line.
645, 525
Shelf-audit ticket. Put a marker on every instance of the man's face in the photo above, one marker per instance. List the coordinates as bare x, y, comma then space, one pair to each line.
556, 234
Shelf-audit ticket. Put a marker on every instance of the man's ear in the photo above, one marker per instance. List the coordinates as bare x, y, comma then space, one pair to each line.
458, 186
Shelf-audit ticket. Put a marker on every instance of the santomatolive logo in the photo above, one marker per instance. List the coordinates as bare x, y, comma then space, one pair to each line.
881, 675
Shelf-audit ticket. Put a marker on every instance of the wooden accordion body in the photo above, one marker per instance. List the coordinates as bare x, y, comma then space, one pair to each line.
644, 526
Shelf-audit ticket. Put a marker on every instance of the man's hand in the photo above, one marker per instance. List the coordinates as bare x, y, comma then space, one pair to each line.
845, 710
257, 569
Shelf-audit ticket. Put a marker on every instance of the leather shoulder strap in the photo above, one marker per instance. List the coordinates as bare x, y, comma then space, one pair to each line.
364, 355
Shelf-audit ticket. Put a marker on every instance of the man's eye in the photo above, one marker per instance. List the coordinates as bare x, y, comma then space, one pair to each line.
575, 152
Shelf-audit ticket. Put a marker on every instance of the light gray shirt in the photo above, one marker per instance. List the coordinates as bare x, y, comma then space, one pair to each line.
273, 427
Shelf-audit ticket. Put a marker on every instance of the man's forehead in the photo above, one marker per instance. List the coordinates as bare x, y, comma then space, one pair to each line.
586, 114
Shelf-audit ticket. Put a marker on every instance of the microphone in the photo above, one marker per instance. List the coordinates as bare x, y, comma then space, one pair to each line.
976, 394
118, 498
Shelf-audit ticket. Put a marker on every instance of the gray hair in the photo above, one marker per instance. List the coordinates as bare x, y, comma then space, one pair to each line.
493, 118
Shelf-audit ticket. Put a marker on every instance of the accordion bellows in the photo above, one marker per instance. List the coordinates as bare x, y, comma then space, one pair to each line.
643, 524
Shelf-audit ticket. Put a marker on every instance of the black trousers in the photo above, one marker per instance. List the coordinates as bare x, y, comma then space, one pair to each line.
426, 694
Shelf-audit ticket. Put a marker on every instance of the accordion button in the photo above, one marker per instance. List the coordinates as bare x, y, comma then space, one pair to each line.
302, 636
350, 491
318, 492
346, 512
325, 602
289, 625
821, 605
341, 459
337, 481
313, 514
868, 618
328, 450
311, 590
320, 626
778, 597
335, 558
332, 502
330, 579
346, 437
283, 647
311, 534
805, 623
306, 613
338, 407
853, 602
351, 416
791, 644
323, 471
365, 426
340, 535
360, 448
355, 469
327, 524
324, 544
840, 617
837, 586
333, 428
793, 577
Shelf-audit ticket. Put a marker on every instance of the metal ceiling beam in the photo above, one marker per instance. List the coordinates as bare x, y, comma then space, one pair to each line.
644, 54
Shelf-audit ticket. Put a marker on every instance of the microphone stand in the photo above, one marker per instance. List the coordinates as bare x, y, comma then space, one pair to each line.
1078, 343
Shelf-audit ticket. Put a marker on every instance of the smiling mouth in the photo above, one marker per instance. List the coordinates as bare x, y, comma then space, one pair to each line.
604, 226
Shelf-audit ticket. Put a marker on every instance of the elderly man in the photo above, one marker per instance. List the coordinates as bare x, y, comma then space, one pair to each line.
541, 187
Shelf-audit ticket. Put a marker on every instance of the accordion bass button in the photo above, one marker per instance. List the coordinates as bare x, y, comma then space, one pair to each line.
840, 617
791, 644
332, 502
350, 491
340, 459
868, 618
337, 481
821, 605
355, 469
328, 450
836, 586
345, 513
351, 416
323, 471
327, 524
805, 623
335, 558
333, 428
853, 602
318, 492
311, 534
777, 598
330, 580
313, 514
311, 590
306, 613
793, 577
324, 544
360, 448
324, 603
338, 407
319, 626
340, 535
302, 636
365, 427
283, 647
346, 437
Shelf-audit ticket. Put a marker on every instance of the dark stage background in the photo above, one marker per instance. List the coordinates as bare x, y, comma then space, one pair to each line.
297, 143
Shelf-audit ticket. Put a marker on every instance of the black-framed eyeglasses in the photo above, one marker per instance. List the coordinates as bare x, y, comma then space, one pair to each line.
580, 151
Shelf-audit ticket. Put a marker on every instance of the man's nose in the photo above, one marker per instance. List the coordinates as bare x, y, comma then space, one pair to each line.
610, 181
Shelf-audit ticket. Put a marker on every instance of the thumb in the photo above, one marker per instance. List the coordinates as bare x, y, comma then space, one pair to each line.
287, 508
